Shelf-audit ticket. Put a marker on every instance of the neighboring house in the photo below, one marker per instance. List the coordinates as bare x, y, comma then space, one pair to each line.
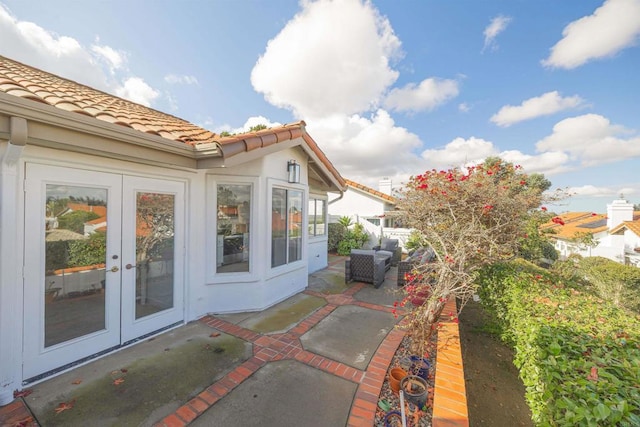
362, 202
613, 236
189, 222
372, 208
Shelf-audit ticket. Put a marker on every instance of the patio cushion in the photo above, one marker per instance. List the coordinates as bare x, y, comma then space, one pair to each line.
389, 244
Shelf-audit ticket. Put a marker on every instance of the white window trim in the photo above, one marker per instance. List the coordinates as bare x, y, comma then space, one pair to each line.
302, 262
212, 275
325, 236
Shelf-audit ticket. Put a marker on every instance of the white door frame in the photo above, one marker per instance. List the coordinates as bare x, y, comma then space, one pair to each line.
121, 326
133, 328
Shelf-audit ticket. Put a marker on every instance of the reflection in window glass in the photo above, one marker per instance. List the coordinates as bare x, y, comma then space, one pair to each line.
75, 255
317, 214
286, 226
233, 227
155, 233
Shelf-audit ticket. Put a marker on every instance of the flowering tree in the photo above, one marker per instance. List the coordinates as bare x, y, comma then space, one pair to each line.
469, 218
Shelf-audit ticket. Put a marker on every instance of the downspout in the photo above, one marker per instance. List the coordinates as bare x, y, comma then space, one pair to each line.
11, 290
335, 200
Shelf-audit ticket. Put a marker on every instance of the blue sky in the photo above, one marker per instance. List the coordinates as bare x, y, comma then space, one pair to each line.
387, 87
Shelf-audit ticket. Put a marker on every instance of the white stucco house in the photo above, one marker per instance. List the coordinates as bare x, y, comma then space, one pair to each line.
370, 207
614, 235
118, 221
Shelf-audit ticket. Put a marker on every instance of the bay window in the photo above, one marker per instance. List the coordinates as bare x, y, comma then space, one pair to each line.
233, 207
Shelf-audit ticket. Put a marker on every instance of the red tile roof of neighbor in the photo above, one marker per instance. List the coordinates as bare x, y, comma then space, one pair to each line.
371, 191
633, 226
576, 223
26, 82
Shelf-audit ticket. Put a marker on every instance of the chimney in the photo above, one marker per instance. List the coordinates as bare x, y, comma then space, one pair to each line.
618, 212
384, 186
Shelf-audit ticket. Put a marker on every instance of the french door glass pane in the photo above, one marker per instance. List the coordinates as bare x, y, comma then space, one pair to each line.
233, 229
75, 258
155, 227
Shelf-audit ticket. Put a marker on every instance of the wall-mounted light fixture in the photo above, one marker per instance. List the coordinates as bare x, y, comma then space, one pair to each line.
293, 168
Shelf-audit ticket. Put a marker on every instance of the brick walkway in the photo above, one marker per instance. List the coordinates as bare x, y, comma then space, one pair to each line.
274, 347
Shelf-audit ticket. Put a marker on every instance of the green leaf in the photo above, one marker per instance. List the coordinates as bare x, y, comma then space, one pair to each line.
601, 411
384, 405
554, 348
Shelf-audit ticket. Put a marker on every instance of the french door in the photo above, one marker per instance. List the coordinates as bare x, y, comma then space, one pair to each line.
103, 263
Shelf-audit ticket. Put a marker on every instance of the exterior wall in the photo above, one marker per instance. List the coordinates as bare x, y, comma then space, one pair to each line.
609, 246
204, 291
355, 204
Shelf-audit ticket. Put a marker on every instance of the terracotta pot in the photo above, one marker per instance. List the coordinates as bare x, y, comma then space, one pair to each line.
395, 376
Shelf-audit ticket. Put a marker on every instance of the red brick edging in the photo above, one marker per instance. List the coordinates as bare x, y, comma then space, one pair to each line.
450, 397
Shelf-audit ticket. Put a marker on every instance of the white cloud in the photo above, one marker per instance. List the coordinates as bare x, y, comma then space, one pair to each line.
613, 26
114, 59
137, 90
95, 66
429, 94
464, 107
184, 79
460, 152
594, 191
315, 72
367, 146
543, 105
592, 140
495, 27
33, 45
549, 163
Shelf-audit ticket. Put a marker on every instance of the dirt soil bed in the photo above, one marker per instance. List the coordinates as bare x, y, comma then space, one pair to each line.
495, 393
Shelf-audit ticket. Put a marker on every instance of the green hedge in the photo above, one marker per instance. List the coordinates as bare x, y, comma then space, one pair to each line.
578, 356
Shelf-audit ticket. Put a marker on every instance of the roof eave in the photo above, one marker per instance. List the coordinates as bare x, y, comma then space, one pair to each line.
49, 115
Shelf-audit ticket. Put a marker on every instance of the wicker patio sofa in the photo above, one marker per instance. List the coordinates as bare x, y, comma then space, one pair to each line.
393, 246
367, 266
419, 256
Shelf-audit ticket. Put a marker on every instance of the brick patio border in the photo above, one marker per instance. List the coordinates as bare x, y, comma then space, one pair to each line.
450, 397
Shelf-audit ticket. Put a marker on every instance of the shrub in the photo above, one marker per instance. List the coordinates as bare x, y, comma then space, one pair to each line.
336, 235
613, 281
470, 218
578, 356
353, 239
415, 240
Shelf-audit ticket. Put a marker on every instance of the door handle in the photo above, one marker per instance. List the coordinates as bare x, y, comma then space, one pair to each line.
114, 269
129, 266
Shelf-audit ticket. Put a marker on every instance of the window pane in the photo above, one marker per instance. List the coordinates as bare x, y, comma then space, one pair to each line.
278, 227
321, 209
312, 217
155, 231
233, 229
75, 257
295, 225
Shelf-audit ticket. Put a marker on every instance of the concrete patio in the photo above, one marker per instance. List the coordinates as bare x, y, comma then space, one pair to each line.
318, 358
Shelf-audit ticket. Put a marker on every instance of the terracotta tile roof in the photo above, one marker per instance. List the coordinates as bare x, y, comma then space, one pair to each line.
587, 222
576, 223
30, 83
371, 191
633, 226
26, 82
